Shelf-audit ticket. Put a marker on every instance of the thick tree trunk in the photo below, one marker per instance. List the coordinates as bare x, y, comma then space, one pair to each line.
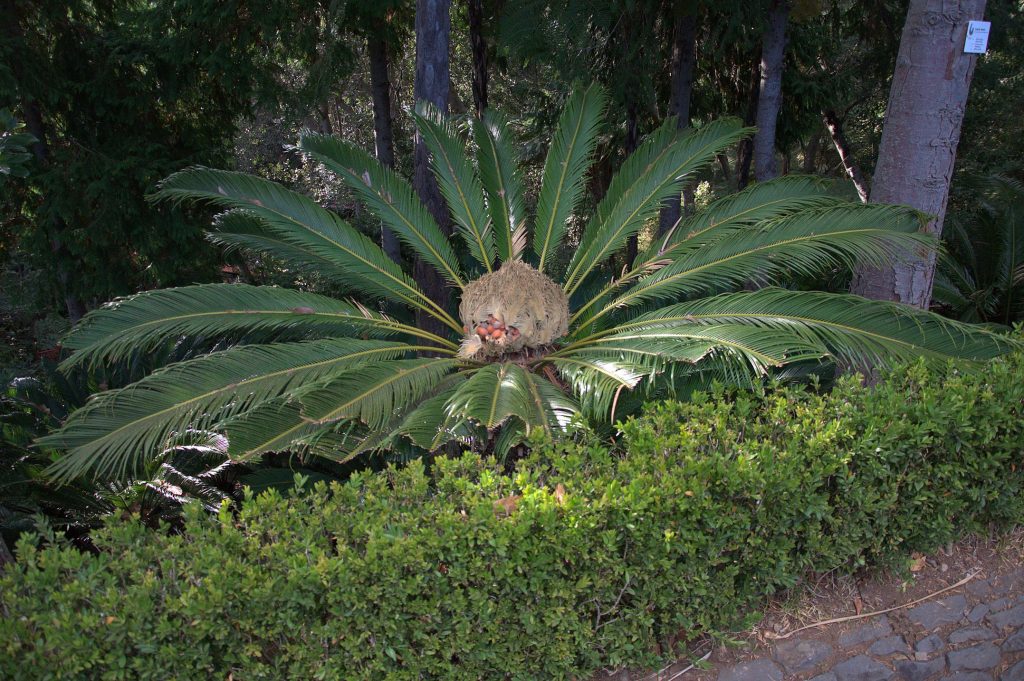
835, 130
684, 62
383, 136
475, 10
769, 101
433, 37
723, 163
919, 140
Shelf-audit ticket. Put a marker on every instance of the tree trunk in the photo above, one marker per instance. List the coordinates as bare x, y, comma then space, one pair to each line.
746, 147
632, 142
433, 37
919, 140
835, 130
684, 62
769, 101
41, 150
475, 10
383, 136
723, 162
810, 164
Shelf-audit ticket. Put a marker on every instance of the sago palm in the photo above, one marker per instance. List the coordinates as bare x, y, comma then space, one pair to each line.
544, 341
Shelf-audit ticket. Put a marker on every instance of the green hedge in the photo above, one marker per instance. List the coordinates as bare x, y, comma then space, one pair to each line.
607, 559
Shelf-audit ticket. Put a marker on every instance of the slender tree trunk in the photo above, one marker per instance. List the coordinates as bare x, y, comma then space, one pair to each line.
835, 130
745, 150
62, 257
810, 163
684, 62
475, 10
919, 140
433, 37
383, 136
769, 101
632, 142
723, 162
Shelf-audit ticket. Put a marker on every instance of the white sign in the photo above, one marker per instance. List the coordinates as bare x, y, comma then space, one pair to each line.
977, 37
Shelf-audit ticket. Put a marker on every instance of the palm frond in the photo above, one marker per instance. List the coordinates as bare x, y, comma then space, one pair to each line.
650, 175
390, 197
500, 177
301, 222
279, 425
119, 430
565, 169
458, 182
239, 311
373, 393
498, 392
854, 330
804, 244
597, 381
239, 230
759, 203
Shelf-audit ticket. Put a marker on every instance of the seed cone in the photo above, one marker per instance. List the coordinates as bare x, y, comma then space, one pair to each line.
514, 308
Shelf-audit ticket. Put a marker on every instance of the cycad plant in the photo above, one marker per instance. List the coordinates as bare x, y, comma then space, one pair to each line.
544, 341
981, 276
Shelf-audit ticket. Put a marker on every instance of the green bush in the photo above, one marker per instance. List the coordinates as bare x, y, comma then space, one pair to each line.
596, 558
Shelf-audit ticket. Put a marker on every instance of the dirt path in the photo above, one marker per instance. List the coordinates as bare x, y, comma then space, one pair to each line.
972, 632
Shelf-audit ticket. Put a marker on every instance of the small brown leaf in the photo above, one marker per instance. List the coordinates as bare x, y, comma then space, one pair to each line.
917, 562
109, 619
858, 604
560, 493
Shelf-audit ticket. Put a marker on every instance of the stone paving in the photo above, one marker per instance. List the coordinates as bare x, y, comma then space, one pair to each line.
973, 634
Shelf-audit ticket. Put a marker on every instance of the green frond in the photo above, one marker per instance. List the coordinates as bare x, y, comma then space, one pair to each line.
279, 425
374, 393
498, 392
853, 330
761, 202
804, 244
650, 175
663, 342
565, 169
597, 381
429, 425
119, 430
500, 177
302, 223
236, 311
388, 196
458, 182
239, 230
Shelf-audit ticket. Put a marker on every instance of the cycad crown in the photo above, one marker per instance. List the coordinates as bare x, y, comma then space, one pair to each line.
338, 378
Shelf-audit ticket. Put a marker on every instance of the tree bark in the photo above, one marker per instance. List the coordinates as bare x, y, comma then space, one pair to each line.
745, 150
810, 163
433, 37
475, 10
632, 142
835, 130
383, 135
920, 136
769, 101
684, 62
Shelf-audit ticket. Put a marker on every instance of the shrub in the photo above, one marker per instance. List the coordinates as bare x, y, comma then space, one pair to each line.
590, 558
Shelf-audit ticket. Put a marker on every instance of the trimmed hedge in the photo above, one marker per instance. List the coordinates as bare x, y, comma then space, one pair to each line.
593, 558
